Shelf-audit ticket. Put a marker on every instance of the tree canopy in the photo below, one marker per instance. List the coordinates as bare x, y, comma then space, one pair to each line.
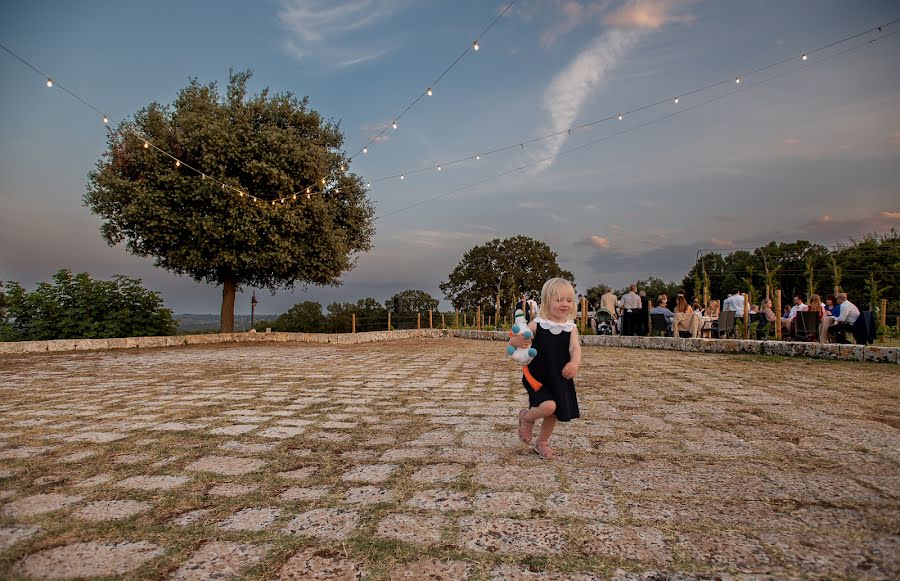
500, 271
412, 301
75, 306
268, 146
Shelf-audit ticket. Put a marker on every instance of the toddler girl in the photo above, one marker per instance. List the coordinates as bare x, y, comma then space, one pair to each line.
548, 379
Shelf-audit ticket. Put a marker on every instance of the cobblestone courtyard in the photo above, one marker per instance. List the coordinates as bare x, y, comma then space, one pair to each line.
400, 460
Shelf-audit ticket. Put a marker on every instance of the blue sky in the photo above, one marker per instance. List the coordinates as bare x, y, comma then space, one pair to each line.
813, 153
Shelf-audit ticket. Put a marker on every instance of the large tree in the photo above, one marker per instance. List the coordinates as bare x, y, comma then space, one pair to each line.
411, 301
502, 270
270, 147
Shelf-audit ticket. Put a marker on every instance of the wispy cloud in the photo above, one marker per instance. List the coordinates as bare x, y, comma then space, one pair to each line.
313, 26
600, 242
570, 89
890, 215
719, 243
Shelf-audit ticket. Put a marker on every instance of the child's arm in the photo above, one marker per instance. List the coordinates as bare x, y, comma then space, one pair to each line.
519, 341
571, 368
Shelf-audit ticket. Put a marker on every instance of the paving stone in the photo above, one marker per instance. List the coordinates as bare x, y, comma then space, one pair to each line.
438, 473
504, 535
128, 459
104, 510
441, 499
310, 565
326, 523
177, 427
304, 473
250, 519
226, 465
582, 505
374, 473
731, 550
333, 437
247, 448
281, 432
644, 544
7, 493
37, 504
412, 528
368, 495
506, 503
188, 518
78, 456
97, 437
11, 535
399, 454
308, 493
23, 452
231, 490
506, 477
96, 480
432, 569
234, 429
91, 559
153, 482
220, 560
518, 573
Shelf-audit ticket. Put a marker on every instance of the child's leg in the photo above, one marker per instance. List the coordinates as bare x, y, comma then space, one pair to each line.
547, 408
547, 430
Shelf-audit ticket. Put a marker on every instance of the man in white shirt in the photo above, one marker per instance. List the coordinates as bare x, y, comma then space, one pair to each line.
629, 303
845, 320
734, 302
799, 305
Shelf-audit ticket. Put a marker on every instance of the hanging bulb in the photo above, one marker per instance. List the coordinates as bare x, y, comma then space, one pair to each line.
365, 150
737, 80
368, 184
429, 91
307, 190
394, 124
475, 45
307, 195
105, 119
323, 181
273, 202
49, 82
439, 168
804, 56
177, 163
337, 191
620, 117
676, 99
241, 194
295, 196
477, 157
146, 145
203, 176
342, 167
402, 177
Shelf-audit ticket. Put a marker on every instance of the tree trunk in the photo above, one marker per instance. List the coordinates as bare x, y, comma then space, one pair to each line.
226, 323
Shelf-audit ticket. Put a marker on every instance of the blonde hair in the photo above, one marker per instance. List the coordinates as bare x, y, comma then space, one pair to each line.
555, 287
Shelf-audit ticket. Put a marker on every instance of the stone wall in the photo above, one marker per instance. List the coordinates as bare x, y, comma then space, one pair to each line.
782, 348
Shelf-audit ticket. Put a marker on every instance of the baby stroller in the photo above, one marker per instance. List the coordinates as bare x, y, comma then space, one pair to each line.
604, 322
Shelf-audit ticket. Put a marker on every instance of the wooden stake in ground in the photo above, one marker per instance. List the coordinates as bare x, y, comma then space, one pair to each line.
443, 325
354, 324
778, 313
478, 317
389, 320
419, 321
884, 312
583, 314
456, 320
746, 316
430, 326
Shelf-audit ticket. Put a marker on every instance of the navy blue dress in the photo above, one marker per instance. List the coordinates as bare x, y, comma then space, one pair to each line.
546, 367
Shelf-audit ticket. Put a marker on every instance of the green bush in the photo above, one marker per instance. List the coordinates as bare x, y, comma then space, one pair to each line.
75, 306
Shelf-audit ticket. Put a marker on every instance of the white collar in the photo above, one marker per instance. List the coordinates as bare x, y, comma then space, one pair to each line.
554, 327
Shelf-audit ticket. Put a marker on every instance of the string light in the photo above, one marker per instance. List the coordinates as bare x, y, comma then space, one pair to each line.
620, 117
402, 177
342, 167
429, 91
737, 80
475, 46
439, 168
105, 119
365, 150
477, 157
676, 99
804, 56
146, 145
394, 124
49, 82
177, 163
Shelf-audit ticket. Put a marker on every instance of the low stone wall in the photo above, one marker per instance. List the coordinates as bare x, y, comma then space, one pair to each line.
782, 348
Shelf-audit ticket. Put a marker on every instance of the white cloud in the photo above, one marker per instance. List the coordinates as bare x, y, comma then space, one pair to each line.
312, 24
647, 14
600, 241
890, 215
718, 243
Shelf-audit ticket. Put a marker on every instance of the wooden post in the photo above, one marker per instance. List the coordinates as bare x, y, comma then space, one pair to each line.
443, 325
456, 319
354, 324
778, 313
478, 317
430, 326
389, 320
465, 320
583, 314
746, 315
419, 321
884, 312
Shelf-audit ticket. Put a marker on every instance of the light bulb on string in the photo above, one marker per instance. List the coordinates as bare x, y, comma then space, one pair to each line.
475, 45
394, 124
368, 184
365, 150
49, 82
477, 157
323, 181
273, 202
342, 167
439, 168
105, 119
307, 191
428, 92
620, 117
307, 195
737, 80
177, 163
295, 196
146, 145
676, 100
402, 177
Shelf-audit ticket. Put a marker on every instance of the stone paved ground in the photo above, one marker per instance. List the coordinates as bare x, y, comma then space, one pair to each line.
400, 461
